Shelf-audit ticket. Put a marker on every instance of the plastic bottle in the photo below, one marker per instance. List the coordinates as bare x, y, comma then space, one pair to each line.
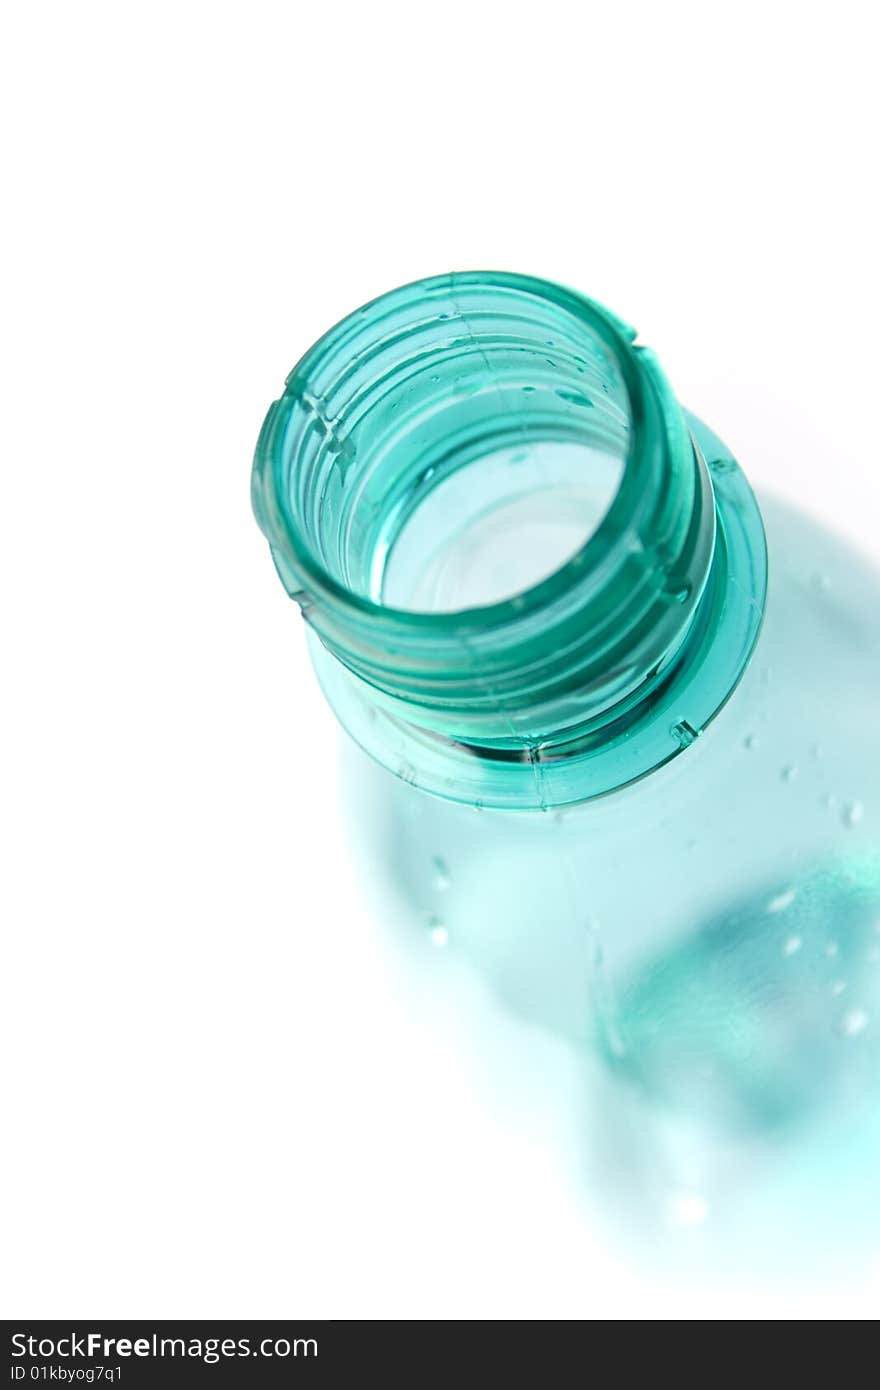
537, 590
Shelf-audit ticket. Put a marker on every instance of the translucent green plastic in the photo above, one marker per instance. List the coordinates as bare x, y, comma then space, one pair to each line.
535, 584
472, 397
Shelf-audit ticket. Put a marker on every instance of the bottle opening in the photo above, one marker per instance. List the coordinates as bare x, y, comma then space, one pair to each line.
456, 443
525, 571
497, 526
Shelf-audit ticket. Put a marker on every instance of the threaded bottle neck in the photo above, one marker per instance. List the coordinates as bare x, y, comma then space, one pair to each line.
491, 509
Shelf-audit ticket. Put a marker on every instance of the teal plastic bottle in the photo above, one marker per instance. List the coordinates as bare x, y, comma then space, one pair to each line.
620, 762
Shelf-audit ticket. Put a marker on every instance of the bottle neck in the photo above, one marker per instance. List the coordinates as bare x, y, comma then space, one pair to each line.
478, 417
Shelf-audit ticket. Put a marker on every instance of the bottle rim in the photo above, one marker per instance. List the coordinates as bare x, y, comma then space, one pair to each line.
289, 541
584, 680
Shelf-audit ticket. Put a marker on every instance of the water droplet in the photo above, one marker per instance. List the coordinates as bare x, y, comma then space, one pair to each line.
438, 932
782, 900
575, 398
815, 750
750, 741
832, 950
821, 582
789, 772
442, 878
852, 813
838, 988
829, 801
854, 1021
679, 593
616, 1045
793, 945
688, 1209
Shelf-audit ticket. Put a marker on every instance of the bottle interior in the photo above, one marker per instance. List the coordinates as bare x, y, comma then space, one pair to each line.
462, 447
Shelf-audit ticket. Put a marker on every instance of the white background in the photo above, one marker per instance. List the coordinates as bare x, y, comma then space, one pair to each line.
222, 1097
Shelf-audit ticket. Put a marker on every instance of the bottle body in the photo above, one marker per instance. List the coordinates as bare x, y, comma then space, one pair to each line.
712, 931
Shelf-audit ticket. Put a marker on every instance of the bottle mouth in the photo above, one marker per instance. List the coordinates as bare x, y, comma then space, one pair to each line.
486, 499
454, 446
460, 384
